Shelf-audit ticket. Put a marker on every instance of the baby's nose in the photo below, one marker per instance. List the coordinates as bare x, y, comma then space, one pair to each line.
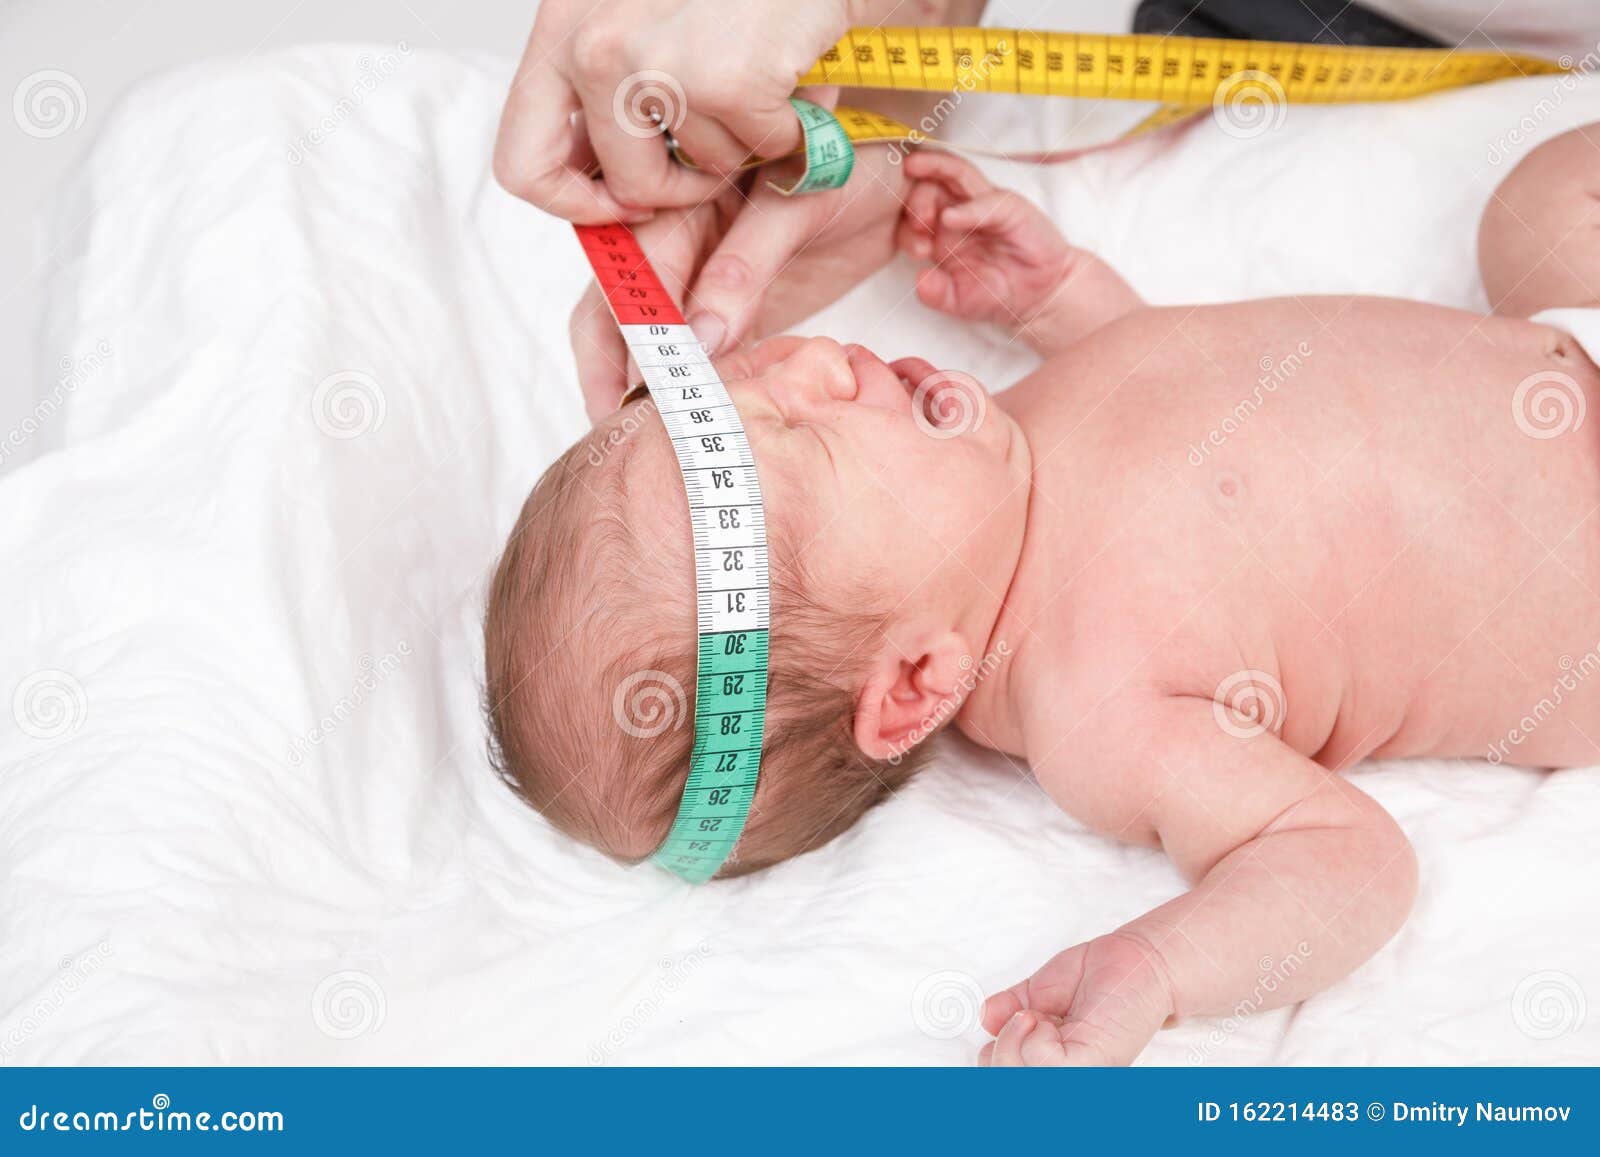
822, 367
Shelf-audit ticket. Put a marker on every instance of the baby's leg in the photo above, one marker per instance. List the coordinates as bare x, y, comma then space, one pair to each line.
1539, 241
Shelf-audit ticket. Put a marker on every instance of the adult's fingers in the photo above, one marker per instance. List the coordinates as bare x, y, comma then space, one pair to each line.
625, 116
725, 299
601, 354
710, 145
535, 147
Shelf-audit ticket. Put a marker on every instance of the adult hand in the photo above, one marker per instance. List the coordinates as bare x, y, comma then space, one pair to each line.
718, 73
746, 264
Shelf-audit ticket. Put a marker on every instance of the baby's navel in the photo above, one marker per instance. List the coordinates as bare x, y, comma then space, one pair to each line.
1557, 346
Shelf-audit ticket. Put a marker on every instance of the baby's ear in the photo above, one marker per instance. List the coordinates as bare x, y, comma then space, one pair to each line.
906, 699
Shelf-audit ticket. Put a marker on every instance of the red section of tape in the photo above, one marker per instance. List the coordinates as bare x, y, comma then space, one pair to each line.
632, 289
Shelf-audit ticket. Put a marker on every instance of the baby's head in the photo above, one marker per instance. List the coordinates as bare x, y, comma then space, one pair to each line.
892, 543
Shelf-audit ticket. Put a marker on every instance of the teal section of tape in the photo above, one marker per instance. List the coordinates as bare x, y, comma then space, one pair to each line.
828, 152
729, 721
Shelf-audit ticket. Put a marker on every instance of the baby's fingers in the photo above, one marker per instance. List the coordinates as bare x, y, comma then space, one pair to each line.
959, 176
923, 204
999, 214
1028, 1039
1002, 1006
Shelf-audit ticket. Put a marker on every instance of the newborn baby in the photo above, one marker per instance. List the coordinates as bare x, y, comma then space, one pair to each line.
1199, 562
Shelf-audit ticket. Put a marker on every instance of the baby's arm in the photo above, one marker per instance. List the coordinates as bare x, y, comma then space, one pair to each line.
1297, 877
1539, 241
995, 256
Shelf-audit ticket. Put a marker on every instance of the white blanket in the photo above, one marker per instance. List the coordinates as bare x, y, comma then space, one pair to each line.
312, 360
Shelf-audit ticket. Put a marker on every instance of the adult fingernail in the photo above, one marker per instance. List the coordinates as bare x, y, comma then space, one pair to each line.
638, 216
709, 328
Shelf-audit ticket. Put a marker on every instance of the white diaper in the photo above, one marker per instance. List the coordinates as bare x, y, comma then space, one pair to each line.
1583, 324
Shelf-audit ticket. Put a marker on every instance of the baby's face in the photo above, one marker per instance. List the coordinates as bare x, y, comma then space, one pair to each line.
868, 489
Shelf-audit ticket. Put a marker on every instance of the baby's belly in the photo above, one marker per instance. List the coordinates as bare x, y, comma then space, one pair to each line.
1391, 507
1468, 615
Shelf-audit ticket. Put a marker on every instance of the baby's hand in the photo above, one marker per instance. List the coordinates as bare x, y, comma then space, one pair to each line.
995, 256
1096, 1004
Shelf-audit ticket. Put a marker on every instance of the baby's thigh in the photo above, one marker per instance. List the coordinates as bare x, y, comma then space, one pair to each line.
1539, 240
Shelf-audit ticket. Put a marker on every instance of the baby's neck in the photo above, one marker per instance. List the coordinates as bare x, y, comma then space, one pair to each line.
992, 713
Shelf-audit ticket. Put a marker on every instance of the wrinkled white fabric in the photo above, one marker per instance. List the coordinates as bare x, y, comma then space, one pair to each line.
245, 811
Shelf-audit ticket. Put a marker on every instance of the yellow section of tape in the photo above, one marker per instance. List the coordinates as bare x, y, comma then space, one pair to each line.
1185, 74
1171, 69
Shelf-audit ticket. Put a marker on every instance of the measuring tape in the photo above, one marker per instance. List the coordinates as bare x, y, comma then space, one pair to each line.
732, 592
730, 552
1186, 74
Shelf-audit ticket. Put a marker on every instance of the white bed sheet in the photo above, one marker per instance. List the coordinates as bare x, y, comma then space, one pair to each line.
196, 574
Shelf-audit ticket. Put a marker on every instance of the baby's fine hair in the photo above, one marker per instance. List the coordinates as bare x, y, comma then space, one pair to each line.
590, 652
